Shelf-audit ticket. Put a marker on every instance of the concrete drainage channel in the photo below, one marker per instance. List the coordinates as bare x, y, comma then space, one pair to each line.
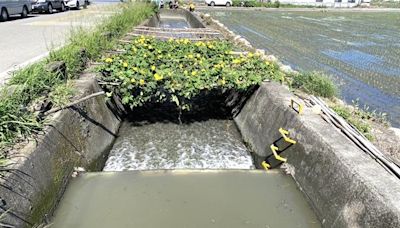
212, 181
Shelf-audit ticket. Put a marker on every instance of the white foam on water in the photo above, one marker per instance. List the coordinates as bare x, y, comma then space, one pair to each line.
212, 144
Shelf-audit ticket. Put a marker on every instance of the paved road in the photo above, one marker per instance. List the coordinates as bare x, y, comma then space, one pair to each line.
23, 41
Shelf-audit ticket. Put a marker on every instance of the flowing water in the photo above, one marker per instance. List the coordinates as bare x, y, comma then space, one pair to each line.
173, 22
361, 50
211, 144
172, 199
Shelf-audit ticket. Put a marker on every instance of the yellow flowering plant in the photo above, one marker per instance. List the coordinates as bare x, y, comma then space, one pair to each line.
179, 70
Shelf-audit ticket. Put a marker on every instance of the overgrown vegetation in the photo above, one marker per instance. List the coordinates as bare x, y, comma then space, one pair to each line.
178, 70
154, 71
27, 85
360, 118
314, 83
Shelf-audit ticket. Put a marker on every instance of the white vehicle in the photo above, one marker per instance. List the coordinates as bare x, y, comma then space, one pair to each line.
75, 4
219, 2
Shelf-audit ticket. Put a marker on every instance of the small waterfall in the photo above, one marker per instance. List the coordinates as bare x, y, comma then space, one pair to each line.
210, 144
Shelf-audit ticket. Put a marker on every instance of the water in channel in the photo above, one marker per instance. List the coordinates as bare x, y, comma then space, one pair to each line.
173, 22
210, 144
172, 199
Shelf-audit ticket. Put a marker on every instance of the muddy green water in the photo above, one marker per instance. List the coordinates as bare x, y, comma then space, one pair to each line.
361, 50
172, 199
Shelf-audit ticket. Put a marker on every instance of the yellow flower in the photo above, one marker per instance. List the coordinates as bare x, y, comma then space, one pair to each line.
109, 60
158, 77
203, 70
190, 56
153, 67
170, 40
250, 55
125, 64
236, 61
135, 69
141, 82
133, 80
267, 63
222, 81
194, 73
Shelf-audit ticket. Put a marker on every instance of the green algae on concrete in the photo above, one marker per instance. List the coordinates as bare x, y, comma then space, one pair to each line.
184, 199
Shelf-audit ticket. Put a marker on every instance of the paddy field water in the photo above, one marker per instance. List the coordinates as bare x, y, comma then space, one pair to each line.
360, 50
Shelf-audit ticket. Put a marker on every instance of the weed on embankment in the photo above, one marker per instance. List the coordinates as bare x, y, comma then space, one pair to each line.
17, 119
314, 83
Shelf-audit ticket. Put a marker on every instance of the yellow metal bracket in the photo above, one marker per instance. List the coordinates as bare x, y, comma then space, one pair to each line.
285, 134
265, 165
276, 155
298, 108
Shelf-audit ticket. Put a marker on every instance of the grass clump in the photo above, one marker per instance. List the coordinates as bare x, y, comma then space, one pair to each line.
314, 83
178, 70
360, 118
353, 117
17, 120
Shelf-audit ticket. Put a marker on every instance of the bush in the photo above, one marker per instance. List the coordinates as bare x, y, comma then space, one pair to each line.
237, 3
154, 71
314, 83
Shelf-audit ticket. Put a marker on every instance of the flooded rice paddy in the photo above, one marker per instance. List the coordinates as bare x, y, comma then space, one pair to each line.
211, 144
172, 199
361, 50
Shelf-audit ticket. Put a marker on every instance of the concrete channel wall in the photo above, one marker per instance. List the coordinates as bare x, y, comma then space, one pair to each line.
345, 186
74, 137
191, 19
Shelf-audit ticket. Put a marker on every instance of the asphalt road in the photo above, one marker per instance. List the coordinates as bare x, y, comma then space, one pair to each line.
23, 41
